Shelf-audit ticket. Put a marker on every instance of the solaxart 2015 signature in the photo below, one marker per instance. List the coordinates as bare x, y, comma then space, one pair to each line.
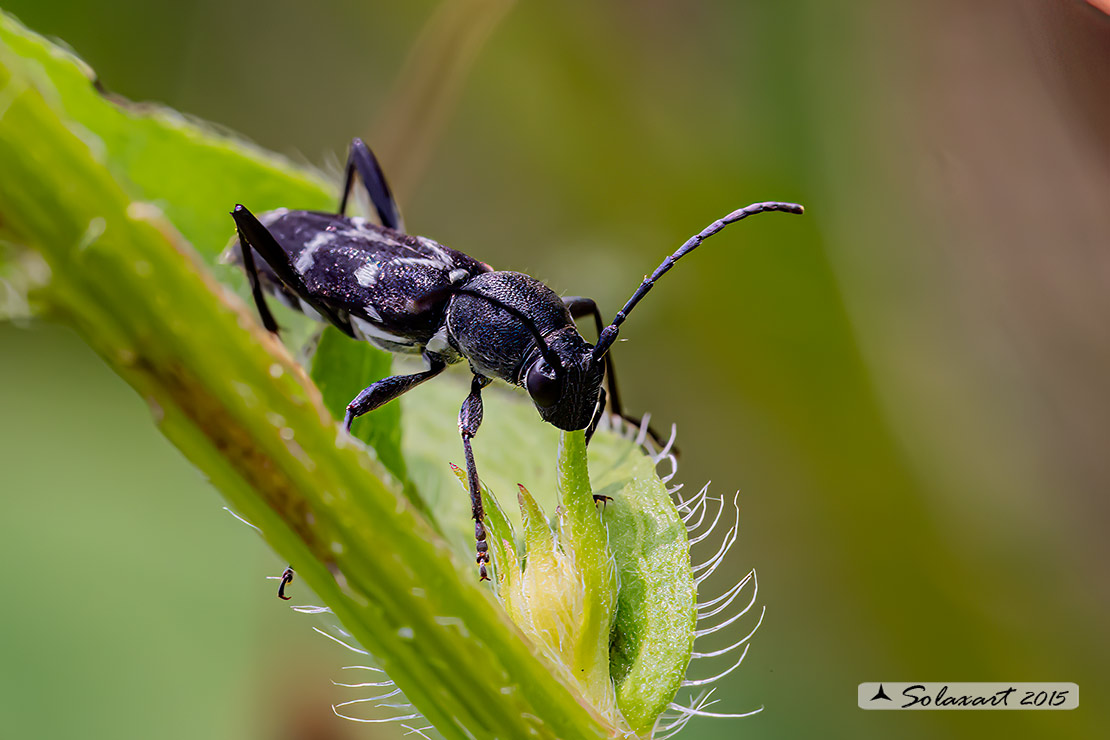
968, 695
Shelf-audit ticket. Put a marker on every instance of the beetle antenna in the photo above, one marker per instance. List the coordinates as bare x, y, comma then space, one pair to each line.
434, 295
609, 334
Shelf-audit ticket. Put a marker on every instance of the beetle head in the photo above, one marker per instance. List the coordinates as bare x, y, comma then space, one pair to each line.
565, 396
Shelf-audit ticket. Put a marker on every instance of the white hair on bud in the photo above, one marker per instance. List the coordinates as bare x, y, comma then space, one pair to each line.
350, 647
700, 526
346, 640
244, 521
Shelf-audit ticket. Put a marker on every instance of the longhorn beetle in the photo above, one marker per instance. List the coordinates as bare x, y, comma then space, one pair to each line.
409, 294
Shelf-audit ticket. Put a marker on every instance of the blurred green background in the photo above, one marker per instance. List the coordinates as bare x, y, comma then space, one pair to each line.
909, 385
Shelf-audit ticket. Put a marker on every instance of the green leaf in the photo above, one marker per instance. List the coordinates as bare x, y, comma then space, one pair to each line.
193, 173
653, 637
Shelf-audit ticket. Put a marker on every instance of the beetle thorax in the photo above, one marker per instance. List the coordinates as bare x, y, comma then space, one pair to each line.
513, 327
495, 341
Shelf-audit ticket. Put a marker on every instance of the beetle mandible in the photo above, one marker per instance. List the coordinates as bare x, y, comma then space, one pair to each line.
409, 294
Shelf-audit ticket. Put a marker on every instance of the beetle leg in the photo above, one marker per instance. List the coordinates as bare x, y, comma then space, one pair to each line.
580, 306
597, 416
247, 250
385, 390
253, 233
470, 418
362, 160
286, 579
598, 498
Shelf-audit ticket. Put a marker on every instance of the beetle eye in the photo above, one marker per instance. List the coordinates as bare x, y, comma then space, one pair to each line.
543, 385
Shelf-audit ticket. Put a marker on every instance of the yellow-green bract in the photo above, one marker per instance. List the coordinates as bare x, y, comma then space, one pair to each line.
645, 613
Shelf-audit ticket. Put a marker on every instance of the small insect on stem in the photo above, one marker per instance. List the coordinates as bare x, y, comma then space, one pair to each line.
411, 295
286, 579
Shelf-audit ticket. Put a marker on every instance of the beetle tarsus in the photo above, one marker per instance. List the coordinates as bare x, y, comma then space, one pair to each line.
483, 551
385, 390
286, 579
470, 418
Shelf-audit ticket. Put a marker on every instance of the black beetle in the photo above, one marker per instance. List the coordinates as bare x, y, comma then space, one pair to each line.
409, 294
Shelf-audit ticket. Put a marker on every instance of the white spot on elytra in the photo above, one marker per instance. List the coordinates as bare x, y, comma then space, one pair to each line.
276, 370
458, 275
271, 217
436, 249
438, 264
307, 257
286, 433
405, 633
367, 274
337, 548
